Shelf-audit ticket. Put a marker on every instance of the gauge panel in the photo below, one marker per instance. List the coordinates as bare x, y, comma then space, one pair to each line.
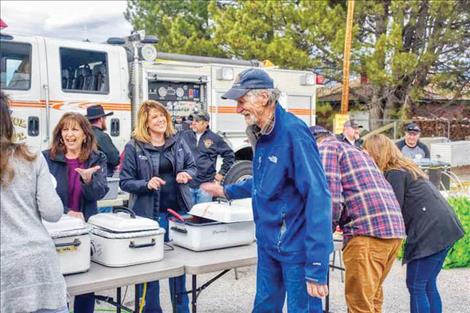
169, 91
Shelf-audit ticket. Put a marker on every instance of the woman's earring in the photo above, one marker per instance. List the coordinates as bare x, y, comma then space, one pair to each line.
61, 141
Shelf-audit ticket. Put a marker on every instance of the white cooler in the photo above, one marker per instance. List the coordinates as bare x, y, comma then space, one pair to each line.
121, 239
72, 241
214, 225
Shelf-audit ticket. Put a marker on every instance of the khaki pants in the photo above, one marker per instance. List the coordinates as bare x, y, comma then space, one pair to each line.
367, 261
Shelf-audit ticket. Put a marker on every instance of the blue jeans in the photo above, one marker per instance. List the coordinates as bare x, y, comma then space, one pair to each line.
84, 303
274, 279
421, 275
200, 196
177, 285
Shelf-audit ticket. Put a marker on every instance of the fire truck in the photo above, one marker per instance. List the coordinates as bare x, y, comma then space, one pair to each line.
46, 77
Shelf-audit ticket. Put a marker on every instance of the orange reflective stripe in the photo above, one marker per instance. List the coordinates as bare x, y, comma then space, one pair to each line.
57, 104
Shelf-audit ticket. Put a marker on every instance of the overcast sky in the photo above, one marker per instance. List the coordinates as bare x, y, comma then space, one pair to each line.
93, 20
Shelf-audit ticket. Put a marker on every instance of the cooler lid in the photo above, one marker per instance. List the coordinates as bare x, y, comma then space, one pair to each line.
122, 222
225, 212
126, 235
67, 225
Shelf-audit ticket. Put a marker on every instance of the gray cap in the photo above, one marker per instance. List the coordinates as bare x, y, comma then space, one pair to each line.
201, 116
352, 124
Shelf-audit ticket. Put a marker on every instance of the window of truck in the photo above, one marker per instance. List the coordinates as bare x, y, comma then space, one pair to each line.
15, 66
84, 71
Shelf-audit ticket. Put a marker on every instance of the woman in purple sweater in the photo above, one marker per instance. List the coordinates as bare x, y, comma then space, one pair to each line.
80, 171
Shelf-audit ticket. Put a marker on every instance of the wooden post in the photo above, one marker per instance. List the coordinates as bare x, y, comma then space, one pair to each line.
347, 54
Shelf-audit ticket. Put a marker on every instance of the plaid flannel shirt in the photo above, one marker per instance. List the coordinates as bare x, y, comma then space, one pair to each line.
364, 203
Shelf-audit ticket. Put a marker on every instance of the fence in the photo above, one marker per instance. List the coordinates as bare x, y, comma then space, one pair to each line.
453, 129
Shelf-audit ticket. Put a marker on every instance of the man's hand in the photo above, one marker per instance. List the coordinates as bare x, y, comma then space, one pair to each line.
317, 290
87, 174
218, 178
214, 189
183, 178
76, 214
155, 183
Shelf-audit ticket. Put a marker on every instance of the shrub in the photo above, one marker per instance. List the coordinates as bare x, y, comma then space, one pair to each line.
459, 254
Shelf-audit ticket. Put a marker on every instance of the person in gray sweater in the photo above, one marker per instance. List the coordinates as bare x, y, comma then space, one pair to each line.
30, 274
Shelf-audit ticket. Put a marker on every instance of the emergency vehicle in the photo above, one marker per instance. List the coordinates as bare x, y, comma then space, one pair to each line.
46, 77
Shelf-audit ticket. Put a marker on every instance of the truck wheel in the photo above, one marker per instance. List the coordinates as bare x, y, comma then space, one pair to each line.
240, 171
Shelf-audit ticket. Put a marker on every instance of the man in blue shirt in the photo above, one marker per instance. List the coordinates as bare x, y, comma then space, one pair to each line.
291, 201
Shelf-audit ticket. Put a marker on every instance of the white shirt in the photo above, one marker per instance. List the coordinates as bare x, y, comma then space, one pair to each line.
198, 136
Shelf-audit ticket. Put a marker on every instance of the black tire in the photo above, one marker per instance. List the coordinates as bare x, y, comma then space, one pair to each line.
239, 171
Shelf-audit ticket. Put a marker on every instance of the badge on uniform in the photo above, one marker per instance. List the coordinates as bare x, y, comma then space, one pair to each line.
208, 143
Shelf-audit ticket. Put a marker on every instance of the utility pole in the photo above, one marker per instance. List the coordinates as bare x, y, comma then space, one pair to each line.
347, 54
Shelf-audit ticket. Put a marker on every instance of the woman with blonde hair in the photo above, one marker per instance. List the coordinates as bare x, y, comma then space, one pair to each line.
30, 274
431, 225
156, 168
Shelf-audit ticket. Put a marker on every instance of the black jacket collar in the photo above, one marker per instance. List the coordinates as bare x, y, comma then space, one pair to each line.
168, 143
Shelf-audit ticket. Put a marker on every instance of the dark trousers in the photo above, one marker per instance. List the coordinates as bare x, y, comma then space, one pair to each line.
421, 276
274, 279
84, 303
178, 294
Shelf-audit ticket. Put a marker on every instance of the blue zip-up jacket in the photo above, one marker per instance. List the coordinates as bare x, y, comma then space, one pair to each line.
205, 154
291, 201
137, 170
91, 193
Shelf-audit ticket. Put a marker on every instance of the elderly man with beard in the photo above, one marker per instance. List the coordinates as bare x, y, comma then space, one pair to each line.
291, 201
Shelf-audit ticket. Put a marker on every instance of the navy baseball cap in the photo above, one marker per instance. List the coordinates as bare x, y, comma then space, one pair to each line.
412, 127
247, 80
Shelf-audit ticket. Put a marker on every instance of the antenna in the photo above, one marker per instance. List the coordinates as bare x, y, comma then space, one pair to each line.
85, 30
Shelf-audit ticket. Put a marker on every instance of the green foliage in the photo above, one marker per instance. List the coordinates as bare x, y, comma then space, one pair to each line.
264, 30
402, 46
182, 26
459, 254
325, 115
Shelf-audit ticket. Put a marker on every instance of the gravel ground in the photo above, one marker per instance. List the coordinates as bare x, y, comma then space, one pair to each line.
228, 295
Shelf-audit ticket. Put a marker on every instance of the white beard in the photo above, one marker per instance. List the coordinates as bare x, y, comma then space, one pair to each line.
250, 120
